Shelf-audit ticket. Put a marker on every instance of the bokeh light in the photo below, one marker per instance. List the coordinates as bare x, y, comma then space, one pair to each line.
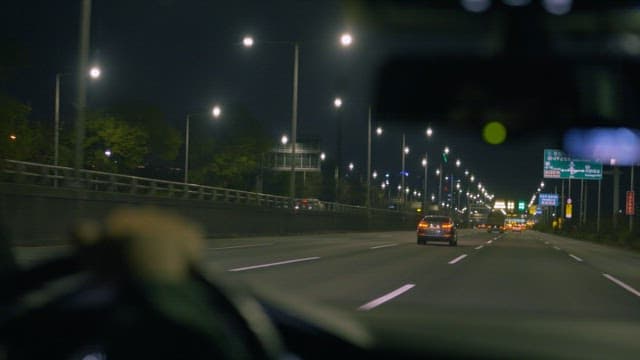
494, 133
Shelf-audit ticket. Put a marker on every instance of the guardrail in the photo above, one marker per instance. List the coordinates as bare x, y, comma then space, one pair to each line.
68, 178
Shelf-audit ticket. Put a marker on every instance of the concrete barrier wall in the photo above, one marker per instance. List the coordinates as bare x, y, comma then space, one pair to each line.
34, 215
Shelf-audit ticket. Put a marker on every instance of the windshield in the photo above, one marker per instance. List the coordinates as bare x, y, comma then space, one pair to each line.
307, 140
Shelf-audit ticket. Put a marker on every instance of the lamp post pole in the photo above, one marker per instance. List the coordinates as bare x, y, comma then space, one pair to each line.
294, 123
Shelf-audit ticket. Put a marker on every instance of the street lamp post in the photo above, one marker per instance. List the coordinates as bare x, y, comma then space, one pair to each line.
216, 111
337, 103
439, 173
248, 41
368, 199
56, 119
294, 123
405, 151
425, 164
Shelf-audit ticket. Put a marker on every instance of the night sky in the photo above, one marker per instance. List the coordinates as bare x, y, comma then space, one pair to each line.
183, 56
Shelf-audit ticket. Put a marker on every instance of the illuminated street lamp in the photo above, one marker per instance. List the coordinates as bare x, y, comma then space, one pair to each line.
284, 139
379, 131
337, 103
375, 174
351, 166
107, 153
429, 132
247, 41
95, 72
323, 156
458, 162
216, 111
405, 151
346, 39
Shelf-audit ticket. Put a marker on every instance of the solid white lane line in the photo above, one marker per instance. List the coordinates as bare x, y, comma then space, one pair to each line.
382, 246
479, 247
274, 264
383, 299
623, 285
489, 242
575, 257
240, 246
457, 259
557, 248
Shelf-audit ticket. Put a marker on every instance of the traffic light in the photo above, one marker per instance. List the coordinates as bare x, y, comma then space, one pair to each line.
444, 157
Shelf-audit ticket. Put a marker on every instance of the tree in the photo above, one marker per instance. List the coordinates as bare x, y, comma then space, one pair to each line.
126, 143
19, 138
164, 141
227, 152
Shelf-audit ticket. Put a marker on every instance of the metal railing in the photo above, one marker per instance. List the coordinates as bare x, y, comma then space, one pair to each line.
23, 172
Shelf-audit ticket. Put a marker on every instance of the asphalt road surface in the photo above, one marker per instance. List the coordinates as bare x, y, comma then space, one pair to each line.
512, 294
527, 285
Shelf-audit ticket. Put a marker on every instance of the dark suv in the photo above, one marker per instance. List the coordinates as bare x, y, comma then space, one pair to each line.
437, 228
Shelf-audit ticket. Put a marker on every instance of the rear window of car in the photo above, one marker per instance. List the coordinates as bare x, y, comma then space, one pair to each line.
437, 219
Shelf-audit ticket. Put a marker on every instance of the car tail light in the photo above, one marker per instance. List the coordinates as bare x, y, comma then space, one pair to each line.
423, 225
447, 226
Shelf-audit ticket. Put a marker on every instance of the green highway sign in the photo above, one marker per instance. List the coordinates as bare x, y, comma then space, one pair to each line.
557, 165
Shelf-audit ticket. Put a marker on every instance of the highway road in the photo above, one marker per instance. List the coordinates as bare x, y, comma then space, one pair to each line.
514, 271
538, 293
529, 285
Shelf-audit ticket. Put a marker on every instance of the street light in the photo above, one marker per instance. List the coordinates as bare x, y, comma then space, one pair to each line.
458, 162
12, 137
379, 131
375, 174
346, 40
247, 41
284, 139
215, 112
425, 164
337, 103
351, 166
95, 72
323, 156
405, 151
429, 132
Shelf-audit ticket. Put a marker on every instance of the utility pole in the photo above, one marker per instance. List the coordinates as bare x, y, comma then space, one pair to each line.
616, 195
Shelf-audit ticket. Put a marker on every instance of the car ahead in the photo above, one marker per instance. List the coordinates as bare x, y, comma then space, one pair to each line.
437, 228
309, 204
495, 228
